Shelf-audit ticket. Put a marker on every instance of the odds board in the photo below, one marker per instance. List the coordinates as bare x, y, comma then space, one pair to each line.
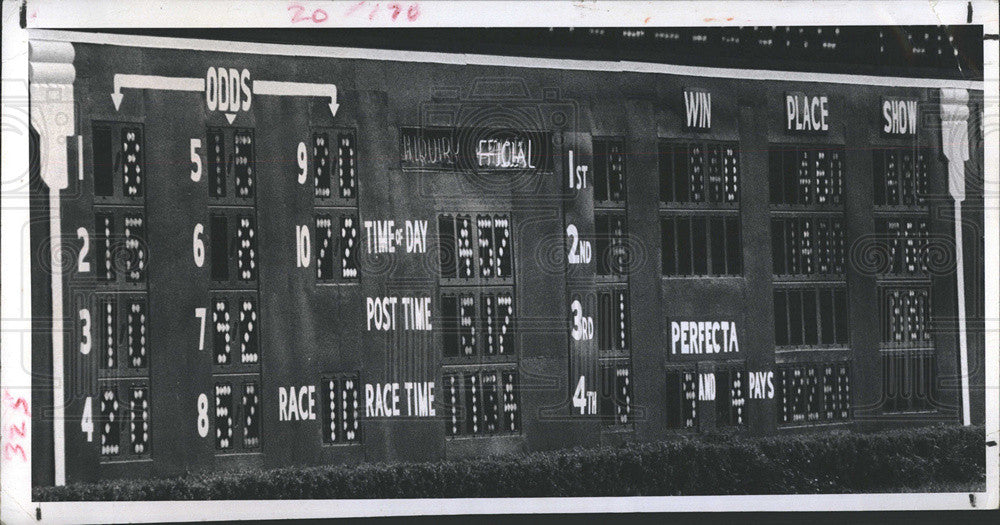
281, 257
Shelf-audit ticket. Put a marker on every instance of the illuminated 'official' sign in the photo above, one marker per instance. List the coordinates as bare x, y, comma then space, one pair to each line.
475, 149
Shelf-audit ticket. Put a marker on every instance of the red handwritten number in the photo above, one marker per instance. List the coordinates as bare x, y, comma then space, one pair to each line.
15, 403
7, 448
318, 15
395, 8
14, 430
297, 16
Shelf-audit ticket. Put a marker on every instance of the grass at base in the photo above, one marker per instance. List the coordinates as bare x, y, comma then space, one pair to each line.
936, 458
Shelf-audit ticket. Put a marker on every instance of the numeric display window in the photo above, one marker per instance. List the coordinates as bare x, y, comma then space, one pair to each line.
682, 399
120, 324
478, 324
900, 177
909, 381
905, 316
118, 160
120, 249
336, 241
232, 174
123, 420
233, 248
225, 416
814, 393
906, 242
613, 320
699, 172
802, 246
701, 245
611, 234
481, 402
234, 326
609, 171
334, 164
341, 409
138, 414
615, 405
811, 316
730, 396
476, 247
250, 404
811, 175
110, 422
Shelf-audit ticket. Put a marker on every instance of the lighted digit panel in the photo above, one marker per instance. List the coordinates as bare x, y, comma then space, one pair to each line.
224, 416
613, 320
321, 164
232, 239
689, 393
906, 243
806, 175
836, 391
346, 161
609, 170
243, 167
251, 415
498, 322
349, 246
341, 416
900, 177
117, 324
108, 333
135, 323
324, 242
511, 407
249, 350
110, 422
906, 316
612, 250
222, 331
814, 393
808, 246
139, 420
481, 402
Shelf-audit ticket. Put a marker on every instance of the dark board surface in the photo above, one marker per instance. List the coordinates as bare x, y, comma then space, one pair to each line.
578, 339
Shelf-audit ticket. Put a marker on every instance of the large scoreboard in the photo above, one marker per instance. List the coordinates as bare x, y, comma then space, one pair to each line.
266, 255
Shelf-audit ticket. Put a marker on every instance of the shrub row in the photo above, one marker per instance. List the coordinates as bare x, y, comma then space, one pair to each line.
806, 463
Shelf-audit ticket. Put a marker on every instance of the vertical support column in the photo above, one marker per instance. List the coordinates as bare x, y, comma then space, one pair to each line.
955, 146
51, 75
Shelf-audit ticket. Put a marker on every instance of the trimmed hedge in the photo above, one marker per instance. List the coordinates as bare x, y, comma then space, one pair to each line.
841, 461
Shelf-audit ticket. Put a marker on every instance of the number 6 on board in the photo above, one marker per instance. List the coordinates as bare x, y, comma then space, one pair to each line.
198, 246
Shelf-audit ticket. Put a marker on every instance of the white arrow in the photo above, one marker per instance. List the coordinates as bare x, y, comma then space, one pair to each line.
153, 82
298, 89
